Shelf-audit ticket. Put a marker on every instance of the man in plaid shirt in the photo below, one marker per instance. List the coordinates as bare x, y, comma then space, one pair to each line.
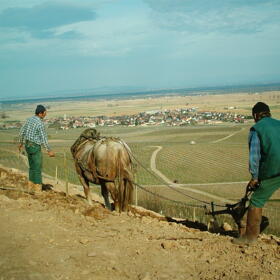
33, 135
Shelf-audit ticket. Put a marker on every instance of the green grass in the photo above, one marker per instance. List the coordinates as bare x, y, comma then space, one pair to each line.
63, 164
207, 161
203, 163
142, 154
12, 160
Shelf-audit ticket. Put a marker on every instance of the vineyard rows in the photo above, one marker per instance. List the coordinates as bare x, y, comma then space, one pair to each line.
203, 163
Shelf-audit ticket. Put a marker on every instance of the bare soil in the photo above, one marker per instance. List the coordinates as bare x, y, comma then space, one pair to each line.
53, 236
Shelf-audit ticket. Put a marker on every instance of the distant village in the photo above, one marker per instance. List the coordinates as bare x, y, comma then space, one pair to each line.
178, 117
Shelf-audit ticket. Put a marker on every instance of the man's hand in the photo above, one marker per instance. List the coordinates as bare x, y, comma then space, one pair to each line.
51, 154
20, 147
253, 185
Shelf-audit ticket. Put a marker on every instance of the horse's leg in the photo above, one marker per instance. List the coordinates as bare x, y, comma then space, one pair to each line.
114, 194
105, 194
127, 194
85, 184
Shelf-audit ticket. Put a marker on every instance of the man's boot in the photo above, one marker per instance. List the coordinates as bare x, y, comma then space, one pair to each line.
37, 188
32, 187
254, 217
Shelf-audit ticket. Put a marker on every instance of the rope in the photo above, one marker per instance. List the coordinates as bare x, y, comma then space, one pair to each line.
173, 188
171, 200
158, 177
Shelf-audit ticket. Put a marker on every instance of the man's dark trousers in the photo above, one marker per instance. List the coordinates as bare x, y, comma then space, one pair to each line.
35, 162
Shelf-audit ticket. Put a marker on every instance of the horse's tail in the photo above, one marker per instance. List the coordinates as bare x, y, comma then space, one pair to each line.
125, 179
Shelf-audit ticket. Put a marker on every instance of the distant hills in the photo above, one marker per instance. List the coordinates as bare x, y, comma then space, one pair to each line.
137, 92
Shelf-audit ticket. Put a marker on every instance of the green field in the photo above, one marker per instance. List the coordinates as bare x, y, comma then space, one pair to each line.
206, 155
213, 158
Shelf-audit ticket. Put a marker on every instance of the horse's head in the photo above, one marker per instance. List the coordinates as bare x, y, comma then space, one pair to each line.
90, 133
87, 134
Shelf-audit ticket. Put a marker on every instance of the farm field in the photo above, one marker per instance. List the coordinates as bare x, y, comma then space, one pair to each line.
219, 155
242, 102
224, 161
212, 158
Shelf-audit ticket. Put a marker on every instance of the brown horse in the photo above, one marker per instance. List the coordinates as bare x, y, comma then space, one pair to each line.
106, 162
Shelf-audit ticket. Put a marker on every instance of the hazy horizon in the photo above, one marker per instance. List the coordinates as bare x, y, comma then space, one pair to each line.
133, 92
48, 47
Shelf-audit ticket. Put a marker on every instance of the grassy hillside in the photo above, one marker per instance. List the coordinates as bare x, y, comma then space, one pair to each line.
190, 155
219, 151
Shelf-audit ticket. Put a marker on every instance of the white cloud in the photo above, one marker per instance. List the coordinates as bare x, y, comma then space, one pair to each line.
221, 16
169, 42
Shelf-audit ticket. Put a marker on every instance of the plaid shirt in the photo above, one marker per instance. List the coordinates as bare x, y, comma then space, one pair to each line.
254, 154
34, 130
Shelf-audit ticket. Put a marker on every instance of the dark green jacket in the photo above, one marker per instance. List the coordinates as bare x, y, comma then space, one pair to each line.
268, 130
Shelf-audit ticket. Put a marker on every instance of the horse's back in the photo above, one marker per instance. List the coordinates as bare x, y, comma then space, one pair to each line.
111, 157
82, 152
105, 161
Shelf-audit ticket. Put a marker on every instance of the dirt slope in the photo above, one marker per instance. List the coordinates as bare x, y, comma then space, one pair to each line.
51, 236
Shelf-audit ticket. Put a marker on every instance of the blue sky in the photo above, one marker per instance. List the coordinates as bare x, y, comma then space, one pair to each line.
66, 45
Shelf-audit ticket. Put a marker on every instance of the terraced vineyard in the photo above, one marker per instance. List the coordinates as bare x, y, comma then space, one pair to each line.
190, 155
213, 157
203, 163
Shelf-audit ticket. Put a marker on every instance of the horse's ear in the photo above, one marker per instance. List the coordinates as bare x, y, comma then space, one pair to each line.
95, 133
